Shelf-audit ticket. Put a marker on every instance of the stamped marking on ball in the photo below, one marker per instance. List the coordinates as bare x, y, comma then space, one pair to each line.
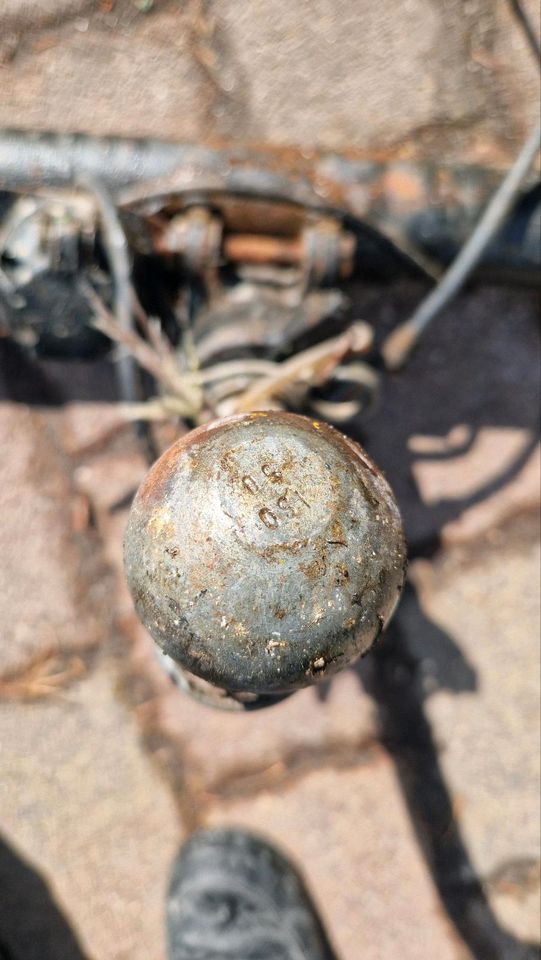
268, 518
266, 499
288, 502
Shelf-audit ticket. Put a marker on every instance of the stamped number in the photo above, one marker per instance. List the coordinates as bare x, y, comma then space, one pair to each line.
288, 504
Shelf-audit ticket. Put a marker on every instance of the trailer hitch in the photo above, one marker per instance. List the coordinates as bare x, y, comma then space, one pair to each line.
265, 550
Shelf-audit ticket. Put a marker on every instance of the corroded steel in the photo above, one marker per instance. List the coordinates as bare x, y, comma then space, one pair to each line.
264, 552
425, 211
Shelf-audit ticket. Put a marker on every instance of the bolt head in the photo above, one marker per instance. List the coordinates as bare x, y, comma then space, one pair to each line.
264, 552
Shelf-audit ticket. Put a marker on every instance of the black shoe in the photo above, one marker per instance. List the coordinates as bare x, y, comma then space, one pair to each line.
234, 897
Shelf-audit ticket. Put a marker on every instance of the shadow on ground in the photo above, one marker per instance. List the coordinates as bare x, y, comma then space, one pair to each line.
477, 366
32, 926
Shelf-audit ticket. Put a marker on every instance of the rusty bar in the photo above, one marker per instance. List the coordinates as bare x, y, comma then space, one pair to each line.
253, 248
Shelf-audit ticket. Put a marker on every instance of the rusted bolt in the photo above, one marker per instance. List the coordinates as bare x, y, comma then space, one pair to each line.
264, 552
324, 249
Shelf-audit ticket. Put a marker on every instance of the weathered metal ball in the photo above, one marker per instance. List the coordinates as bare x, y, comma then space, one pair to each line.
264, 552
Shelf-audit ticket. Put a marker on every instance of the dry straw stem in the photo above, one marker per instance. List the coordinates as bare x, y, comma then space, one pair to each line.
184, 394
44, 678
311, 367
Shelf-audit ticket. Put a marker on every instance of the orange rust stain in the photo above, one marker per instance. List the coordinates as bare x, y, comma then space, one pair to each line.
342, 575
300, 162
155, 483
404, 188
337, 533
314, 570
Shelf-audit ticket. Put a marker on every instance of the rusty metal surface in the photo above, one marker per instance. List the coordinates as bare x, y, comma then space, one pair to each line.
427, 209
264, 552
278, 234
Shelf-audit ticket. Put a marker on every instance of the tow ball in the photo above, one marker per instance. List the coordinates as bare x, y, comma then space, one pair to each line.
264, 552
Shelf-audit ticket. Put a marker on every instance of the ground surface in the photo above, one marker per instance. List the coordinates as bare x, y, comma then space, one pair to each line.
406, 789
450, 80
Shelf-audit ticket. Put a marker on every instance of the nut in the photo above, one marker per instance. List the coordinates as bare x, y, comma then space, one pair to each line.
264, 552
